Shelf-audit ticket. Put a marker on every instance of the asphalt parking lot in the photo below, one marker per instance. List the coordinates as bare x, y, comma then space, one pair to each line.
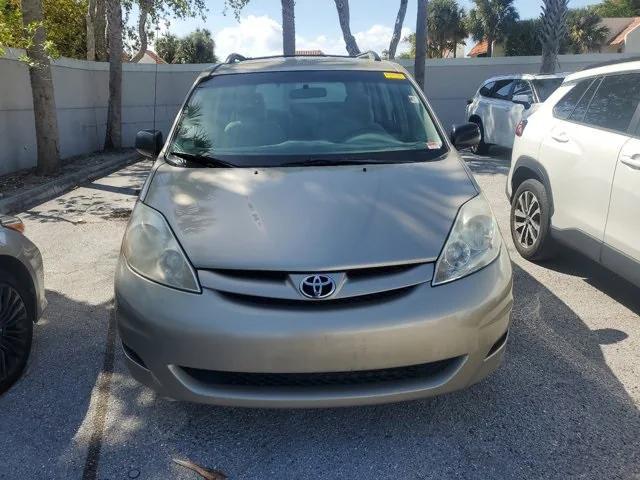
566, 403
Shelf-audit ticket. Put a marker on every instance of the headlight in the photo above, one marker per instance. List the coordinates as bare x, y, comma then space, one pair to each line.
152, 251
474, 242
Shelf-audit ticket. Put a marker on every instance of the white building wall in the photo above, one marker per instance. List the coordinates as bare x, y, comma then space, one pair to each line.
81, 93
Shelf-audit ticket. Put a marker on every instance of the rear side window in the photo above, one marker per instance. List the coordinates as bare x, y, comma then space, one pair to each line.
564, 108
581, 109
523, 88
615, 102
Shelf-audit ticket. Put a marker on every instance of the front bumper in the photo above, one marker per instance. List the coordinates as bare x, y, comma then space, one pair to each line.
167, 334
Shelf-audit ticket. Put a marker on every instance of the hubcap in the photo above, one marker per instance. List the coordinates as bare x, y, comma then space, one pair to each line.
13, 330
527, 218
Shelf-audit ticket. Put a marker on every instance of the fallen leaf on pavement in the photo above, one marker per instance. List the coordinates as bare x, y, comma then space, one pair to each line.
205, 473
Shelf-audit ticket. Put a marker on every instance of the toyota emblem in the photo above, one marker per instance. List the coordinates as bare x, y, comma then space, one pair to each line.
317, 286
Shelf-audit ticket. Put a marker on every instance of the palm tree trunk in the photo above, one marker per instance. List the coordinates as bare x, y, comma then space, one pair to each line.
288, 27
145, 6
91, 32
489, 46
100, 25
44, 104
421, 43
113, 138
553, 31
343, 15
397, 29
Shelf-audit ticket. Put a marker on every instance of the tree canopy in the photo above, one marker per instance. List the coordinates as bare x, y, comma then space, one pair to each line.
196, 47
618, 8
491, 20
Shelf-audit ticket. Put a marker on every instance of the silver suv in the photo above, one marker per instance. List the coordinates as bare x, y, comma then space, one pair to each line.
310, 237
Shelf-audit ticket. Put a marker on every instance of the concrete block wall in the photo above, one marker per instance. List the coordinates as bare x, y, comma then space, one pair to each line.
81, 94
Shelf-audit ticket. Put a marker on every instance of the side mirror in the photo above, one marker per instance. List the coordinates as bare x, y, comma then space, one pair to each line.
466, 135
149, 143
524, 100
470, 101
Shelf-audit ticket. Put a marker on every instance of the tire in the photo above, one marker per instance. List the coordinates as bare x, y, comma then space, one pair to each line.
531, 221
482, 148
16, 328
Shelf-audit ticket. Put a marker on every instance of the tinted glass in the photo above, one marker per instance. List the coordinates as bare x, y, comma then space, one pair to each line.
545, 87
581, 109
615, 102
564, 108
523, 88
486, 90
265, 119
502, 90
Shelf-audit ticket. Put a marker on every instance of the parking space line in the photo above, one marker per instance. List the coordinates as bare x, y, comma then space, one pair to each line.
98, 421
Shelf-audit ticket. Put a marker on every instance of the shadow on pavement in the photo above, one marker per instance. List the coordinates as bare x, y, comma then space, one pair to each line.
554, 410
573, 263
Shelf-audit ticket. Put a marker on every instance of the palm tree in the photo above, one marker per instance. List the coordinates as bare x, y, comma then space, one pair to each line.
343, 15
113, 137
491, 20
421, 42
445, 23
397, 30
586, 33
553, 31
288, 27
44, 105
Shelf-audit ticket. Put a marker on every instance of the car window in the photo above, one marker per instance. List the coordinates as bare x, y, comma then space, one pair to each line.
546, 86
272, 118
502, 90
564, 108
523, 87
486, 90
581, 108
615, 102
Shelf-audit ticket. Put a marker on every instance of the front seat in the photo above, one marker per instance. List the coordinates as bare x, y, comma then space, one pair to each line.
251, 128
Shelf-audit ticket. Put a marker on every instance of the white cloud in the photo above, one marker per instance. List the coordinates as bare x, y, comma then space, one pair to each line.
262, 35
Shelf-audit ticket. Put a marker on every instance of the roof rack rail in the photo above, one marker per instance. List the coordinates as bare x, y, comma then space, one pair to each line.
618, 61
370, 54
235, 58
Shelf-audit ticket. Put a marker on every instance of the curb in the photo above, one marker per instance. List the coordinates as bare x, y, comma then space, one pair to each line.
43, 193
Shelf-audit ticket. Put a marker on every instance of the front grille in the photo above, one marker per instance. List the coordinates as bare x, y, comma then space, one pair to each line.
309, 380
329, 304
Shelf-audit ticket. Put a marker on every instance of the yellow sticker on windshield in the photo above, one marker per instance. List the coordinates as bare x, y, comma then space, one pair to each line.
394, 76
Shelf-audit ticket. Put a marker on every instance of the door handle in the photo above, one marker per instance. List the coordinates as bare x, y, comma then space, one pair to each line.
632, 161
561, 137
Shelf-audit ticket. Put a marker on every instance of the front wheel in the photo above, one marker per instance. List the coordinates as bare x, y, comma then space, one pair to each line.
16, 330
481, 148
531, 221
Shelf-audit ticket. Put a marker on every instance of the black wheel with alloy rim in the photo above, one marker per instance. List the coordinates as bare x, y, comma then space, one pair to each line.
530, 221
16, 331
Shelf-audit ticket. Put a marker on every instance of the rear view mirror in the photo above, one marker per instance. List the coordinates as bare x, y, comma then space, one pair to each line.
466, 135
524, 100
149, 143
301, 93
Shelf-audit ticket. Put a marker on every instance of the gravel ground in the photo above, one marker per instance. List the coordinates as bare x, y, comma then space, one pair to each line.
564, 405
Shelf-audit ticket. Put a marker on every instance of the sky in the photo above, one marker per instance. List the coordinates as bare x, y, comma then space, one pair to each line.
259, 31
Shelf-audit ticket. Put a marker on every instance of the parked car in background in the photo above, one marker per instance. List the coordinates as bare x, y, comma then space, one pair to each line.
501, 102
575, 174
22, 298
310, 237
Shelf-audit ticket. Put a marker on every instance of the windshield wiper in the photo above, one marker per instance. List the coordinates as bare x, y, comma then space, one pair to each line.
323, 162
204, 160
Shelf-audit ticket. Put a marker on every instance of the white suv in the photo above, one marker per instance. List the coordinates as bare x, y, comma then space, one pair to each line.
575, 171
501, 102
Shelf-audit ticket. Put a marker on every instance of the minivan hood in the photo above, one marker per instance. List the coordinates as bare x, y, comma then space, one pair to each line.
310, 219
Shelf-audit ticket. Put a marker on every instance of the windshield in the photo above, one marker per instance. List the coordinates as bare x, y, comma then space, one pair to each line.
544, 88
278, 118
